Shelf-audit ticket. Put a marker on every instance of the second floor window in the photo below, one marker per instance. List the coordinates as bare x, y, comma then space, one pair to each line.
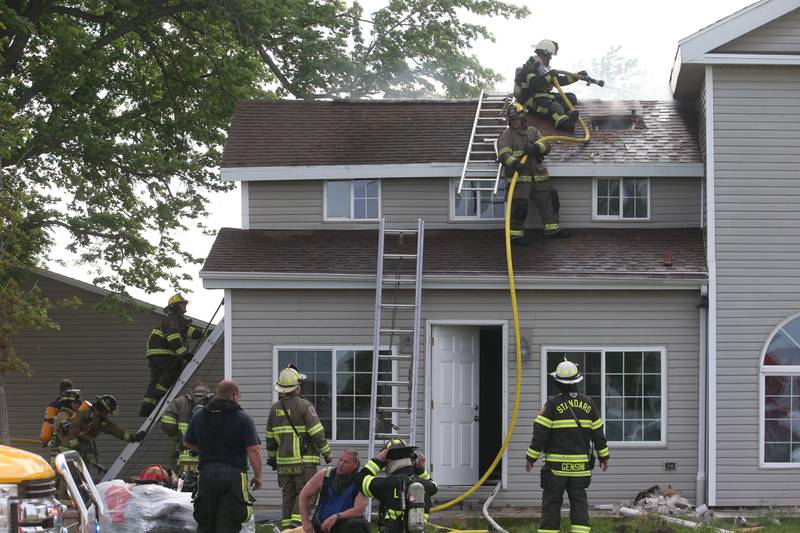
477, 205
621, 199
352, 199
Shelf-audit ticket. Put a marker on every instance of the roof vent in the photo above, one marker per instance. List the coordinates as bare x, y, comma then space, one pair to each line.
632, 121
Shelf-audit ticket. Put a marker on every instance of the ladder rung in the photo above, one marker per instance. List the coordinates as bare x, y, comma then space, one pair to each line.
489, 189
400, 231
393, 409
400, 280
404, 436
395, 357
482, 179
399, 256
397, 330
399, 306
392, 383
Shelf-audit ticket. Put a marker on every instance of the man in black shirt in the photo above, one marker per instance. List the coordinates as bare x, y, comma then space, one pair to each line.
225, 439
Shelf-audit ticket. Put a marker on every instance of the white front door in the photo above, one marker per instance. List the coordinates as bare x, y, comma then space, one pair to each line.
454, 428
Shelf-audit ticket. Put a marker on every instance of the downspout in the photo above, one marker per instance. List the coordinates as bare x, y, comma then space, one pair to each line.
702, 430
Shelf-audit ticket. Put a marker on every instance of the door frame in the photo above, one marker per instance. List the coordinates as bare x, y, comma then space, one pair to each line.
429, 324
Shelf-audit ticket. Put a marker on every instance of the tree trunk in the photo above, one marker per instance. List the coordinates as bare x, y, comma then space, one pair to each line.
5, 434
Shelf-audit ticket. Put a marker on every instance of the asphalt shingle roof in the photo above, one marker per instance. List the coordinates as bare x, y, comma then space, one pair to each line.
628, 252
268, 133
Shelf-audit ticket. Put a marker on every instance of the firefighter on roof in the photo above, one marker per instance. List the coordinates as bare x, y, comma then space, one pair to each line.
533, 183
533, 86
175, 422
404, 467
168, 351
563, 435
295, 440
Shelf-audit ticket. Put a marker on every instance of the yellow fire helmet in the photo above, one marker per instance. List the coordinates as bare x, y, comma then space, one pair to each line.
289, 379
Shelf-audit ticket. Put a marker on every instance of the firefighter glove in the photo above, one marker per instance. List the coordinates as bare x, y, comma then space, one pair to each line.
583, 74
519, 167
535, 151
139, 436
272, 463
187, 356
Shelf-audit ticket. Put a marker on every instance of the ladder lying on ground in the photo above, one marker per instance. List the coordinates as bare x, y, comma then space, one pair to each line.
188, 371
382, 427
481, 170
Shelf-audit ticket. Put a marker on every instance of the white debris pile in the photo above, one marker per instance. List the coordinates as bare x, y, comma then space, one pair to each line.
665, 502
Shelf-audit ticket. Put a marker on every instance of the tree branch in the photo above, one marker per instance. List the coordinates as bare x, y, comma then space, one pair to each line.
80, 14
13, 53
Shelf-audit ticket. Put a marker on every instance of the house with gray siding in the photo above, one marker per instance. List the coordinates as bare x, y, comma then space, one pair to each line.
676, 293
102, 353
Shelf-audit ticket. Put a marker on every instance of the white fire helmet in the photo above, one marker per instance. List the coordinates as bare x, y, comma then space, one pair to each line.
567, 372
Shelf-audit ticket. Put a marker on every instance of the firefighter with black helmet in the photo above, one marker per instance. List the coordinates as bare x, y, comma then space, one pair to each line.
533, 182
406, 490
534, 83
88, 423
168, 351
175, 422
566, 434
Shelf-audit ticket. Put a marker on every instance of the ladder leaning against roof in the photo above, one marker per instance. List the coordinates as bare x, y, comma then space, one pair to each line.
188, 371
402, 420
481, 170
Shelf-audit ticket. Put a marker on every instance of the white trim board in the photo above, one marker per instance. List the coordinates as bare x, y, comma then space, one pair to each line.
452, 170
628, 281
427, 397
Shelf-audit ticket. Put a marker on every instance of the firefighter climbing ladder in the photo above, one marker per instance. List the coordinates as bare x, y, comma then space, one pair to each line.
481, 170
384, 335
200, 354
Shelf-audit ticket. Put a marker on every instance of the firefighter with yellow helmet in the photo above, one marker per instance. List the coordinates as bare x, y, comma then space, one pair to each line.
168, 351
533, 86
566, 434
533, 182
295, 440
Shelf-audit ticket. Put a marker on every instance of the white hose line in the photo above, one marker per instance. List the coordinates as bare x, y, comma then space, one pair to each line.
486, 505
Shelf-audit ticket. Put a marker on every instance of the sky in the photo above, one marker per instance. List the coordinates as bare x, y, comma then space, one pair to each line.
646, 31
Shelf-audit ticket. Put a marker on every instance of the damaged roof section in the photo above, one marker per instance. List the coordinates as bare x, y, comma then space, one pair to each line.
287, 133
651, 253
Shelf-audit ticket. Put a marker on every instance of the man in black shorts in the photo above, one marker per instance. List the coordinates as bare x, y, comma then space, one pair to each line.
225, 439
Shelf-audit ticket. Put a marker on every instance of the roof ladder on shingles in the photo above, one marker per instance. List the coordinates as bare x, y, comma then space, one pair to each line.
384, 422
481, 170
188, 371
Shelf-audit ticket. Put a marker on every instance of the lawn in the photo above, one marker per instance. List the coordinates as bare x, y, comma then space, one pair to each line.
617, 525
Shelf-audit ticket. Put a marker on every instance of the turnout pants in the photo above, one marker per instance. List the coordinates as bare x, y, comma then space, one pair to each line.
552, 497
222, 501
164, 372
544, 196
291, 485
552, 106
347, 525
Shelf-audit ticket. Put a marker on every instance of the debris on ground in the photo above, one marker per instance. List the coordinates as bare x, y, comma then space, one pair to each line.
664, 502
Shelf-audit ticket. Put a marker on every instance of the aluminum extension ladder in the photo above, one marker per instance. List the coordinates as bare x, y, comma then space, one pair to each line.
383, 332
481, 170
188, 371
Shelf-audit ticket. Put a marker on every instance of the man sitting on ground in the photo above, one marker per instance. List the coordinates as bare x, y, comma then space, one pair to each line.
341, 506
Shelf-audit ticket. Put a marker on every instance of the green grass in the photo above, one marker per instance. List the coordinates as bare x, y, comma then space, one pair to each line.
646, 524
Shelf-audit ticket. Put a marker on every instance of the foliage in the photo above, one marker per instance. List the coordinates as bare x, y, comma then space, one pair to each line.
624, 79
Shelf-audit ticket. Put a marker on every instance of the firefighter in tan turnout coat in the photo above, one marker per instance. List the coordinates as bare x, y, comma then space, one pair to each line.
295, 440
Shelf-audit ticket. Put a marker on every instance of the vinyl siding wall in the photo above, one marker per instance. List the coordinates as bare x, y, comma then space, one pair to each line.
263, 319
102, 355
781, 36
299, 204
757, 161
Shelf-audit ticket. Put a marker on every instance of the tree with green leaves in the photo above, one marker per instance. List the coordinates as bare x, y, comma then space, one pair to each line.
113, 115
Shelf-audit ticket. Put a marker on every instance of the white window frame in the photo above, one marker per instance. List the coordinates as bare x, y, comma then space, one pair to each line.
620, 218
325, 216
763, 372
333, 348
603, 349
457, 218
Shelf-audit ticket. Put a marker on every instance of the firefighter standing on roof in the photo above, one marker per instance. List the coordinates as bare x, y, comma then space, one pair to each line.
175, 422
533, 86
88, 423
403, 466
533, 183
295, 440
563, 434
168, 351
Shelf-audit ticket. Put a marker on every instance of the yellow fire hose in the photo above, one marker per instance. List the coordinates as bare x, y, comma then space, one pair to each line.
515, 311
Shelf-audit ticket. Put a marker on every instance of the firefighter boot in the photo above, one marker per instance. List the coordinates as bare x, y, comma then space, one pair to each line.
567, 123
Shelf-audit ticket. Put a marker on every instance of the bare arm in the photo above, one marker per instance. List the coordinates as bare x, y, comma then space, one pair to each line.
256, 461
308, 493
358, 508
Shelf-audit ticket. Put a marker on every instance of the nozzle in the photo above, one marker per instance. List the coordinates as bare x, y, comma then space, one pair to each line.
601, 83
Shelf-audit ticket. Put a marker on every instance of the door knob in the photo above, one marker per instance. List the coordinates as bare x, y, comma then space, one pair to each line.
476, 407
476, 418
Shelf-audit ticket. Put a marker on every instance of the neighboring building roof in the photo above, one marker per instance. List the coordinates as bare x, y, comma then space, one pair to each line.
700, 48
614, 252
291, 133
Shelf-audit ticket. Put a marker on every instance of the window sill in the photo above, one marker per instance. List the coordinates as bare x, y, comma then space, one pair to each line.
623, 220
779, 466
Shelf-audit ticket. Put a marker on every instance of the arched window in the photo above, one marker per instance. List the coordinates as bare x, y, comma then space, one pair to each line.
780, 396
